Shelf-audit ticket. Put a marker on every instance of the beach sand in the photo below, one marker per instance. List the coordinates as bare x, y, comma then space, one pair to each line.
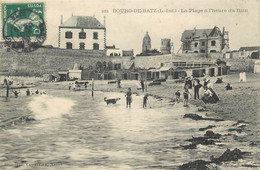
241, 103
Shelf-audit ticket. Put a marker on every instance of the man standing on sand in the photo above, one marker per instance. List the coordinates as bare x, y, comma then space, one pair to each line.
145, 100
128, 98
118, 83
197, 87
142, 84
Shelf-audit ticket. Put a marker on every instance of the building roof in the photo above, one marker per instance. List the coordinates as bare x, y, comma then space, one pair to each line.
165, 68
253, 48
111, 47
189, 35
87, 22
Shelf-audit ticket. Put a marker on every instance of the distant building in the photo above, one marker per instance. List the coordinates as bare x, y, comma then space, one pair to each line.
82, 32
165, 46
205, 41
246, 52
128, 53
146, 43
249, 52
113, 51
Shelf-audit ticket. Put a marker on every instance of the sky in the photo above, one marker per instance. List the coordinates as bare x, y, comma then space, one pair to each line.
126, 30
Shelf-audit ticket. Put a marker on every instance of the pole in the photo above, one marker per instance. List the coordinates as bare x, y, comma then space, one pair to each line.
145, 81
92, 87
7, 89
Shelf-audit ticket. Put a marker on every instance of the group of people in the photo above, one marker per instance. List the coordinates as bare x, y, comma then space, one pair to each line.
76, 85
129, 99
28, 92
191, 84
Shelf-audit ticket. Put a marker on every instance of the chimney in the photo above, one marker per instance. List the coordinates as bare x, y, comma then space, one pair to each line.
61, 19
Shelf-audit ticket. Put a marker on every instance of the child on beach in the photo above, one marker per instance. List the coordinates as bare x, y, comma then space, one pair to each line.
145, 100
16, 93
28, 93
228, 87
177, 96
186, 94
128, 98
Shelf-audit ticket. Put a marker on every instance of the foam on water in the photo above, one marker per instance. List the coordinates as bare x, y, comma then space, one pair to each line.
46, 106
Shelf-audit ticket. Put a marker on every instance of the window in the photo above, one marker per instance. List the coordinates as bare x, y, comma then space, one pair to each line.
203, 43
213, 51
202, 51
196, 52
68, 34
95, 46
82, 35
82, 46
213, 43
69, 45
117, 66
162, 64
196, 44
95, 35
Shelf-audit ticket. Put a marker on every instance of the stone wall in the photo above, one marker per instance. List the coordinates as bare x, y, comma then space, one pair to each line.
43, 61
241, 64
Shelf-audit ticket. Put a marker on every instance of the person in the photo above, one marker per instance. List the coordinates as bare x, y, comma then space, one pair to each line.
177, 96
188, 83
186, 94
86, 85
37, 91
209, 85
16, 93
228, 87
197, 87
219, 80
207, 98
244, 76
128, 98
118, 83
210, 96
69, 86
5, 81
142, 84
28, 93
205, 82
145, 100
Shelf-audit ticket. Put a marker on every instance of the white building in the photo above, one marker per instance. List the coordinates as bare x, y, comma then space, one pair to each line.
82, 32
113, 51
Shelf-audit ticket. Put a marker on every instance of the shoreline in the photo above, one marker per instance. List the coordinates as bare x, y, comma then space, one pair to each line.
242, 95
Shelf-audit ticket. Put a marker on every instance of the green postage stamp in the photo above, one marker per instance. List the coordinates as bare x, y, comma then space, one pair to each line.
24, 28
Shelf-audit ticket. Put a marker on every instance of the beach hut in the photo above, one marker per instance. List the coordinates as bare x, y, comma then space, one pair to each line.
48, 77
257, 66
63, 75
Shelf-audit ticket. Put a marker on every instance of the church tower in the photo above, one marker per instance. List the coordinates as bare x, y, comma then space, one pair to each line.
146, 43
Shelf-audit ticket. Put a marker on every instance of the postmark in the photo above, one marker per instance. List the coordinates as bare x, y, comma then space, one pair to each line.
24, 28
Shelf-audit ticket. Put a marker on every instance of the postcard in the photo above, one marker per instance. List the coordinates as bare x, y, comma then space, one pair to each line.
171, 84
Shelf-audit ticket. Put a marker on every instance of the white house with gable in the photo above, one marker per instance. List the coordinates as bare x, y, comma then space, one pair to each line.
82, 32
